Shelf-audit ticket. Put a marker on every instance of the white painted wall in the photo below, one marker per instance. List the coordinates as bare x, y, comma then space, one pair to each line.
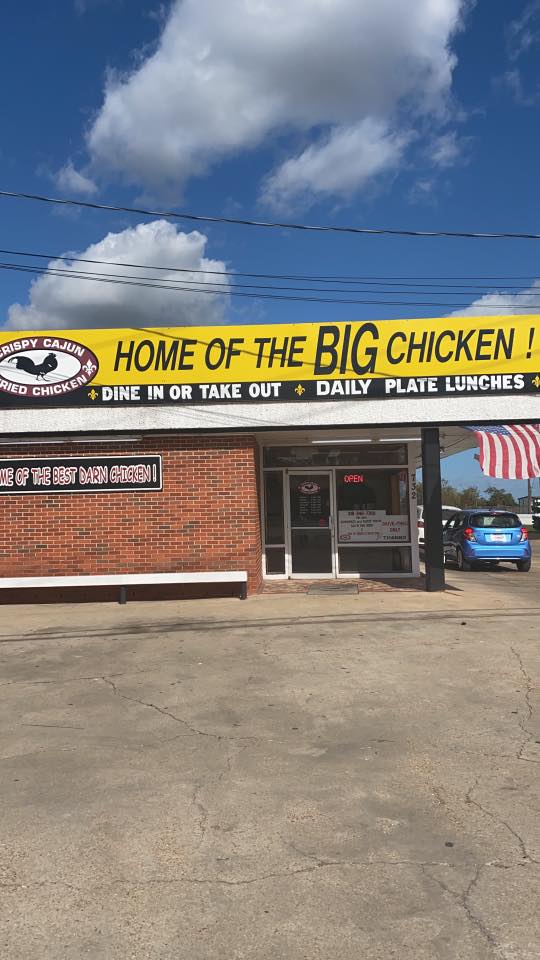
356, 413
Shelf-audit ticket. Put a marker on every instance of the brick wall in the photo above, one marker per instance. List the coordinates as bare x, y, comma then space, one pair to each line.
205, 518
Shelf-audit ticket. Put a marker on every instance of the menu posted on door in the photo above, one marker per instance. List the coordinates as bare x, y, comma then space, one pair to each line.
372, 526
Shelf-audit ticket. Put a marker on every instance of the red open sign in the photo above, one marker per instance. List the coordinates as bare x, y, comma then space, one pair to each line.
353, 478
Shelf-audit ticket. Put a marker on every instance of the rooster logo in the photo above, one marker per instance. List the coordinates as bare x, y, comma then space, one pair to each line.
38, 370
309, 487
36, 367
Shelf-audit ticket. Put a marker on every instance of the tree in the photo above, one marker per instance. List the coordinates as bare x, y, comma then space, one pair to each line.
450, 495
470, 497
496, 497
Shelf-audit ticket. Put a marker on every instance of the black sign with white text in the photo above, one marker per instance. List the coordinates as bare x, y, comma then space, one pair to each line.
80, 475
201, 394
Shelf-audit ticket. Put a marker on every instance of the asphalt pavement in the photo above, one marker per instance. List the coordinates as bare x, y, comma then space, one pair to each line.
297, 777
504, 579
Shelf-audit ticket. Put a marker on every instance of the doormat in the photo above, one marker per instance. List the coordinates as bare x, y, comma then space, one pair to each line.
332, 588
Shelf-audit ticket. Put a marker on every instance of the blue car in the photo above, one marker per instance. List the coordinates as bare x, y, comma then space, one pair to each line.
486, 536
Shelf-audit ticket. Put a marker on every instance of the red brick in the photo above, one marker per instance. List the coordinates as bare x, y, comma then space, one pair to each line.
206, 517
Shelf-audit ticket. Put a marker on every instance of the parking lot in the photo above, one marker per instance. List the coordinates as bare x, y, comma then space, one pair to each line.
523, 588
292, 776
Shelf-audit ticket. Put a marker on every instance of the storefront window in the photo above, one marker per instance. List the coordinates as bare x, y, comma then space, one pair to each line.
372, 506
273, 508
374, 560
275, 560
336, 456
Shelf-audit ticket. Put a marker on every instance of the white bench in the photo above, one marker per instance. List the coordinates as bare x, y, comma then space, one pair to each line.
124, 580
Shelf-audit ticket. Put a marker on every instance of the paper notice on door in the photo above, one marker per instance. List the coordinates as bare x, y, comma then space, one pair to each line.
371, 526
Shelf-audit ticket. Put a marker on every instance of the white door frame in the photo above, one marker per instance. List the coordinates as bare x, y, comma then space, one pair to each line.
310, 471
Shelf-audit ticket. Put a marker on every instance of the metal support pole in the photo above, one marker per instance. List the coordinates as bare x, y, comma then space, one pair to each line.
431, 481
123, 595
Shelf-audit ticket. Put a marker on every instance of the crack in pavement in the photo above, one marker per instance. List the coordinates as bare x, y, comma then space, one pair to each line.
529, 687
493, 816
282, 875
463, 900
175, 718
212, 782
54, 726
261, 878
128, 673
202, 822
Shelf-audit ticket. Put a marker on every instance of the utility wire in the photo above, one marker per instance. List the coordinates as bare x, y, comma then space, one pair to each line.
97, 278
226, 287
406, 281
321, 228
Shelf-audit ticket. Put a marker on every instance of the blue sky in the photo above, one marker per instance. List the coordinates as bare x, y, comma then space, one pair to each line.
422, 116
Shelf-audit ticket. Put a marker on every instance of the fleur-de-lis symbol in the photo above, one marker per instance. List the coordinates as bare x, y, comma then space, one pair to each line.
299, 390
93, 394
536, 381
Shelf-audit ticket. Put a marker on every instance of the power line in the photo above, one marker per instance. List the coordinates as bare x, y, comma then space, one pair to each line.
226, 287
101, 278
318, 228
365, 280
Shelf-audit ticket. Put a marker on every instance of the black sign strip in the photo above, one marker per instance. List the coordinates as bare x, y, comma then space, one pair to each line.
319, 390
53, 475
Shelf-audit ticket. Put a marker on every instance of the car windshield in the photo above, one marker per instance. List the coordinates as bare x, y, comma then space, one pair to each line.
500, 520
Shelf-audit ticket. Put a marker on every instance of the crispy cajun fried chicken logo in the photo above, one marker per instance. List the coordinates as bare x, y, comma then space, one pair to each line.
45, 366
309, 487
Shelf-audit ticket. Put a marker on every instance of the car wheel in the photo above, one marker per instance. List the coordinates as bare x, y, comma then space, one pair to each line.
524, 565
462, 563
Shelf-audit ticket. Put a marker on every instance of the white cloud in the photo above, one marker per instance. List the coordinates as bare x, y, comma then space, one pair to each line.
514, 83
339, 165
445, 149
68, 302
225, 76
423, 191
522, 39
524, 32
71, 181
499, 302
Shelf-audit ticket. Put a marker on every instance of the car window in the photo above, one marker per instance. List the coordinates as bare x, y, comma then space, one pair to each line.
499, 520
447, 514
419, 512
451, 525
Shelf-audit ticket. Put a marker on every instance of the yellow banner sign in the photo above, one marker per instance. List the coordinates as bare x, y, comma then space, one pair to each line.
71, 366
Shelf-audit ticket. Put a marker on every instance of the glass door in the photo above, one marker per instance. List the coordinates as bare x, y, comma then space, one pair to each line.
310, 504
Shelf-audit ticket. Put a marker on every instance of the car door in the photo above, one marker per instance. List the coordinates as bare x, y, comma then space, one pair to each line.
449, 534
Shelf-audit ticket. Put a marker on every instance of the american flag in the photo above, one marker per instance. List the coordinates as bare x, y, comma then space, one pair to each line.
510, 450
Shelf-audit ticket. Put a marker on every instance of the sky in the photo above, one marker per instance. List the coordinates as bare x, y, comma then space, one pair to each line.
421, 116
